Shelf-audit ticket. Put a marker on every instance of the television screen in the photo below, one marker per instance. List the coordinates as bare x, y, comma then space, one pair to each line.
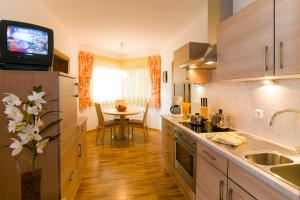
27, 40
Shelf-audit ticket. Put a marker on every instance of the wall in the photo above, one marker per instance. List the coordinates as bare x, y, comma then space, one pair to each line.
35, 12
194, 32
240, 99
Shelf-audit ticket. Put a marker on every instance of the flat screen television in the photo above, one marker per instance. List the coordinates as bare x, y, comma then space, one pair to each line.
25, 46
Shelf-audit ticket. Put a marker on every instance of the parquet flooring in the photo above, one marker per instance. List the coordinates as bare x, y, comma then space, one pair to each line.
127, 170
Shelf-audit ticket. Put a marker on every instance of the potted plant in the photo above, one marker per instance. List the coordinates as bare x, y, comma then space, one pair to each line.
27, 128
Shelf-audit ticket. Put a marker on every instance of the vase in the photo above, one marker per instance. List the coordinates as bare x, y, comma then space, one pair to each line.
30, 173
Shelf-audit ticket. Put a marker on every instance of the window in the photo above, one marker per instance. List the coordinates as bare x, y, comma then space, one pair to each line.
110, 82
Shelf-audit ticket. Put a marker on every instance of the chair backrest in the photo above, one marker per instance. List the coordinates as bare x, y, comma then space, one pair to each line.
145, 114
99, 114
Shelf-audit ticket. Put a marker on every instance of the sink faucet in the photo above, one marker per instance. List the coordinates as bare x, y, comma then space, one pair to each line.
274, 117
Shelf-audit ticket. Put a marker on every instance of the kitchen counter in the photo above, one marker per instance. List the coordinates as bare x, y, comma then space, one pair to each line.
237, 155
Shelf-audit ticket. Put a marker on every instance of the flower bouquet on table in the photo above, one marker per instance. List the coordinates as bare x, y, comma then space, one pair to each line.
27, 128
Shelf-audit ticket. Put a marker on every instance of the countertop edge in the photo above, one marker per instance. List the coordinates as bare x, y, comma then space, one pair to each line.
272, 181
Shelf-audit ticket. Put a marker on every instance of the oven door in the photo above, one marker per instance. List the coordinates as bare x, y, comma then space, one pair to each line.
186, 162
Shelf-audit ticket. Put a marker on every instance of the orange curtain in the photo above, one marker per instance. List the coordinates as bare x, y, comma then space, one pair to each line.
154, 64
85, 65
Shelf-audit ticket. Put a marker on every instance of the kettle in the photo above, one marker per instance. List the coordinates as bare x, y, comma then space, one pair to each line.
176, 109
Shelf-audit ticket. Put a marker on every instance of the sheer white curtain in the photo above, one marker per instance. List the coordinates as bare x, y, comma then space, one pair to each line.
136, 87
110, 81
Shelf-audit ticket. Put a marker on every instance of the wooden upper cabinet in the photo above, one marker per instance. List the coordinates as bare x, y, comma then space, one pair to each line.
246, 42
287, 37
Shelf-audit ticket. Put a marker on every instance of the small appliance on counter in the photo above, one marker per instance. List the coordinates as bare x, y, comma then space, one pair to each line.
219, 120
176, 108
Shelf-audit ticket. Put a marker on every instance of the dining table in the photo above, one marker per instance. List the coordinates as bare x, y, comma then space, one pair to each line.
122, 114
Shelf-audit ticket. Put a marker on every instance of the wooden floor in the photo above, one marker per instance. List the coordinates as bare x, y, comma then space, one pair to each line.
127, 171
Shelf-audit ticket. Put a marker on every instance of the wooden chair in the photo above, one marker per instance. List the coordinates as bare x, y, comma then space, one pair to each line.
103, 125
133, 123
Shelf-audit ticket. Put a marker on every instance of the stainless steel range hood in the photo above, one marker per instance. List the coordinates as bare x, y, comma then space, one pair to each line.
196, 55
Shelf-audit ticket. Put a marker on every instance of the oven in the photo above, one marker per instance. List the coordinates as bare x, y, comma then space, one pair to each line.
186, 157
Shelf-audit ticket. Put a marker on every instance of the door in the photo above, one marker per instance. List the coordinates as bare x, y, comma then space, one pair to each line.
246, 42
235, 192
211, 183
287, 40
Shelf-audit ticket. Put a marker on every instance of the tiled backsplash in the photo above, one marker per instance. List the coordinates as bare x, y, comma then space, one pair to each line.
240, 99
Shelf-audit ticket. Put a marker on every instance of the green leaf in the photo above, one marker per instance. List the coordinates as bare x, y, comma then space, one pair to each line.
46, 113
37, 89
51, 137
50, 125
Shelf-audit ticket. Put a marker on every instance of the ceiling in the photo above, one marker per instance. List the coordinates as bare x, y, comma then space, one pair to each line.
143, 25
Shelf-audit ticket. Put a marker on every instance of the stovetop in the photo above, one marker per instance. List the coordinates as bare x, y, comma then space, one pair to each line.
206, 127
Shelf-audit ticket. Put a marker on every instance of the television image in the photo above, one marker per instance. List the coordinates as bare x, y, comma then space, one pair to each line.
27, 40
25, 46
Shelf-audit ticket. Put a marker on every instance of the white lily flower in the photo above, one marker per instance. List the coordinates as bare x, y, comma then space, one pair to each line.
11, 99
14, 126
14, 113
16, 146
37, 98
33, 110
41, 145
30, 133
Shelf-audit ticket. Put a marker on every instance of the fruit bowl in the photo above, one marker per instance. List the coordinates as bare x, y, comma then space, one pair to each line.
120, 108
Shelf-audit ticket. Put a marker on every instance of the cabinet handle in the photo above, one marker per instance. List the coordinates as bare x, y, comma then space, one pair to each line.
79, 152
281, 55
221, 190
230, 195
266, 58
72, 175
209, 155
76, 90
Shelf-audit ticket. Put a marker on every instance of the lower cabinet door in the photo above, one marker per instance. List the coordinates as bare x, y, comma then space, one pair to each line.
235, 192
211, 183
69, 175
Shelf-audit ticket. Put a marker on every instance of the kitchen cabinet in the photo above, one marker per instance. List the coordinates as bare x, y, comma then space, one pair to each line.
235, 192
287, 40
254, 186
62, 167
82, 146
246, 42
168, 145
212, 157
211, 183
260, 40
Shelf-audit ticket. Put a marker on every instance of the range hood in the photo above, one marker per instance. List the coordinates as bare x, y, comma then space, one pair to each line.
196, 55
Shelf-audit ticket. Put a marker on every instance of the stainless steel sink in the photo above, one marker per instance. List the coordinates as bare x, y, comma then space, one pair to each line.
290, 173
268, 159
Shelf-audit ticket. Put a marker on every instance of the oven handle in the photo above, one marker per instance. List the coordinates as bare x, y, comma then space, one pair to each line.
186, 146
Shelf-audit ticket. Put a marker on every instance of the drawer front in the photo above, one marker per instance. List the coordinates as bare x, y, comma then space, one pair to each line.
236, 192
69, 174
212, 157
252, 185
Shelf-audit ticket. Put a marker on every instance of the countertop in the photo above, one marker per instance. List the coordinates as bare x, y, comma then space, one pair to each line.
236, 155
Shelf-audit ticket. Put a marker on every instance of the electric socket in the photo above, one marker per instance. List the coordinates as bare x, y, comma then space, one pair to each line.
259, 114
